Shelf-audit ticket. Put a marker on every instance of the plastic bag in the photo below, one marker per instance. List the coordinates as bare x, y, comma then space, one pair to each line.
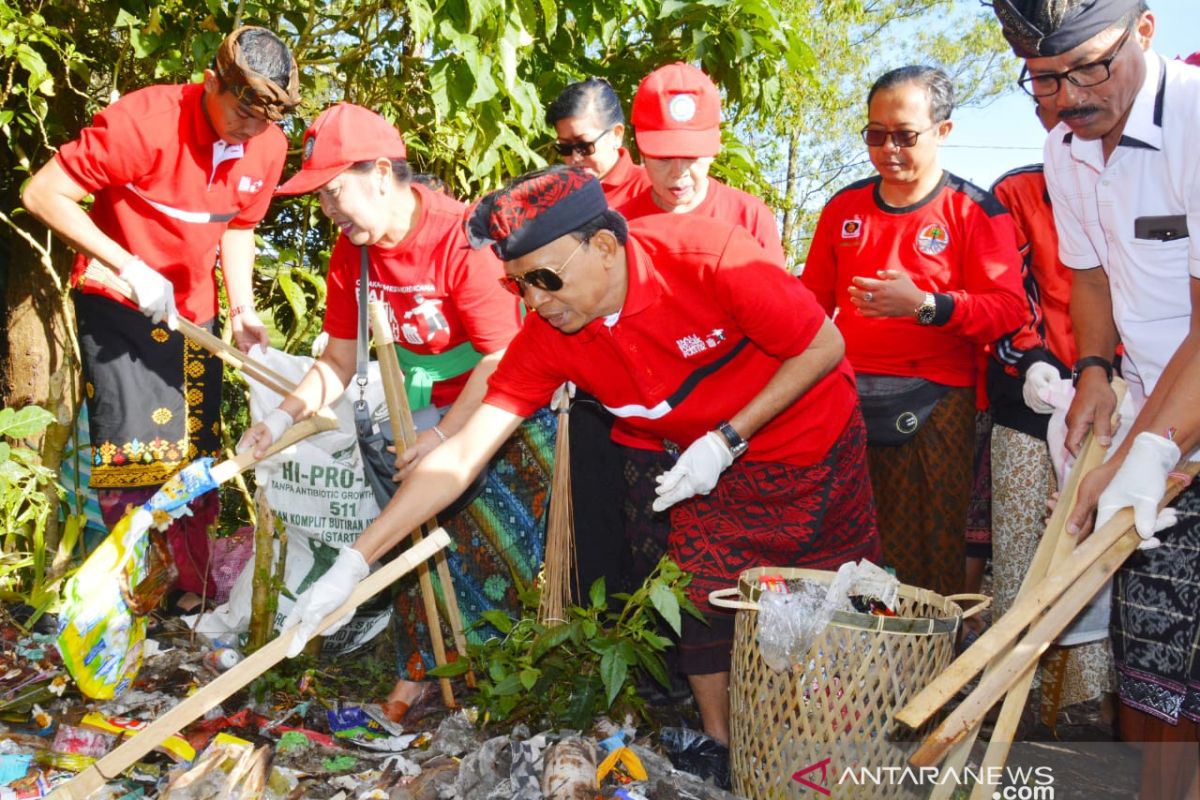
694, 752
100, 636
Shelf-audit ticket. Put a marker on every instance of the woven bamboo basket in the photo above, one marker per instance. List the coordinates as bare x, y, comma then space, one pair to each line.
836, 704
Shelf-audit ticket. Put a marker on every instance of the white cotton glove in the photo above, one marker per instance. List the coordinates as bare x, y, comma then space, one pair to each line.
325, 596
1039, 378
1140, 482
274, 425
153, 293
696, 472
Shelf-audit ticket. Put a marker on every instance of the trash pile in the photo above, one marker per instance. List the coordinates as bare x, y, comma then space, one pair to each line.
317, 748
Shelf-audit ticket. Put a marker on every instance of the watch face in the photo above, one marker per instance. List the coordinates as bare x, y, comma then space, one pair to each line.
925, 314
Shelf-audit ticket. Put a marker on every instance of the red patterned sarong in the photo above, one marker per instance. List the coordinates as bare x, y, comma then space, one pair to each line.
768, 514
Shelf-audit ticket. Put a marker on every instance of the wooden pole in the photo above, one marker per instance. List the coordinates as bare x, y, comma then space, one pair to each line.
1052, 552
405, 433
394, 396
112, 765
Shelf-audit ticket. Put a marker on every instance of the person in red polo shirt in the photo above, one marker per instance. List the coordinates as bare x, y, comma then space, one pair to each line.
451, 322
177, 174
921, 269
677, 126
691, 335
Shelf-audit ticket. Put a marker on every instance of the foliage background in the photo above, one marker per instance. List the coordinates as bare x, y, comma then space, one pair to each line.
467, 82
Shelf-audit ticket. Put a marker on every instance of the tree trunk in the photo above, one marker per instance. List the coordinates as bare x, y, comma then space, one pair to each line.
39, 363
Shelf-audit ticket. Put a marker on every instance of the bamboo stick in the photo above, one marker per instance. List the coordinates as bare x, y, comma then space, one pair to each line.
397, 404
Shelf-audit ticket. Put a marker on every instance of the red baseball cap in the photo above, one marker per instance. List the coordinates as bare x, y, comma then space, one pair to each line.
342, 135
677, 114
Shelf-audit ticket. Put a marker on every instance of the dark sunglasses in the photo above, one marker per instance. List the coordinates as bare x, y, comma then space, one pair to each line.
544, 278
1091, 74
877, 137
582, 149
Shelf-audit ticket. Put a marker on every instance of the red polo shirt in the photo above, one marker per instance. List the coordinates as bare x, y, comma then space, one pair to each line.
624, 181
1047, 282
441, 293
165, 193
959, 240
707, 319
724, 203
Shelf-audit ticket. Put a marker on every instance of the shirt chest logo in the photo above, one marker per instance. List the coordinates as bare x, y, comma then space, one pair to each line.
933, 239
249, 185
852, 228
693, 344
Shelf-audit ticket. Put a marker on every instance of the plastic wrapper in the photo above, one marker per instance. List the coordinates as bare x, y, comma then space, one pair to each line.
789, 623
100, 636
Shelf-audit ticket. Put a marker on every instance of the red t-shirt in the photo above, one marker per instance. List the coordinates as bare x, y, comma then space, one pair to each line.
1047, 323
725, 203
166, 190
624, 181
440, 292
707, 319
959, 241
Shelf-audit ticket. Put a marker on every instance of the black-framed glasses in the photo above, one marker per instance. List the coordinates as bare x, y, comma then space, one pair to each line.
544, 278
1085, 75
581, 149
877, 137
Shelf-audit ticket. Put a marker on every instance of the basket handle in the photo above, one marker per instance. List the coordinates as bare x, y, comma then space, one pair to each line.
982, 603
717, 598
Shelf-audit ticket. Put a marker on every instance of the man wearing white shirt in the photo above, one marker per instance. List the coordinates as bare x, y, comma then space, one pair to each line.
1124, 178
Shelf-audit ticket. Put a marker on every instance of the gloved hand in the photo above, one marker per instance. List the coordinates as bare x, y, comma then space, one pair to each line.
1140, 482
330, 591
263, 434
696, 472
153, 293
1040, 375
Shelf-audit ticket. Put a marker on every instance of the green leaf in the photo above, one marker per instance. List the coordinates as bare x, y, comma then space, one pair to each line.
499, 620
613, 671
549, 16
28, 421
597, 593
293, 293
549, 640
655, 667
510, 685
529, 676
666, 604
4, 450
451, 670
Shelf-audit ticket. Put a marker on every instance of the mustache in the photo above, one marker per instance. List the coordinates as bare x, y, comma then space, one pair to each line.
1081, 111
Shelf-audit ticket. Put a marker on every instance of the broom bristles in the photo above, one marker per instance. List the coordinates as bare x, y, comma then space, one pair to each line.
560, 567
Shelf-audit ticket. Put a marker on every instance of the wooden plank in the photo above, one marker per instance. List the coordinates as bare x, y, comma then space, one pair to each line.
227, 683
405, 435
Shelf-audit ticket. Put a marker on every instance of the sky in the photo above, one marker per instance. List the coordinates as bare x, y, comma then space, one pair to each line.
987, 142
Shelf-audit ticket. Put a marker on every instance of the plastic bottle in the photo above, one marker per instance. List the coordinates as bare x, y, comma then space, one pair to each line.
221, 659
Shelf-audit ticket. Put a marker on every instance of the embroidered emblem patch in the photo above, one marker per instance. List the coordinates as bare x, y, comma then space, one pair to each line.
308, 147
933, 239
852, 228
682, 108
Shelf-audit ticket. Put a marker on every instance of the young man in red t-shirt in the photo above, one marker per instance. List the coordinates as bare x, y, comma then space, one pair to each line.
177, 174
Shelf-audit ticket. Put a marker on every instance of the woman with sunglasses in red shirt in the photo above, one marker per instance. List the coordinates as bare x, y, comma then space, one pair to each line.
451, 321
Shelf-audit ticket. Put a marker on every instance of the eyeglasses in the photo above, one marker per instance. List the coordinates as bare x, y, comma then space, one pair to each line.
581, 149
877, 137
1091, 74
544, 278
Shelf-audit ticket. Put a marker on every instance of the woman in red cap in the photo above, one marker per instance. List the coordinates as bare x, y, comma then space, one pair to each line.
677, 126
452, 322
